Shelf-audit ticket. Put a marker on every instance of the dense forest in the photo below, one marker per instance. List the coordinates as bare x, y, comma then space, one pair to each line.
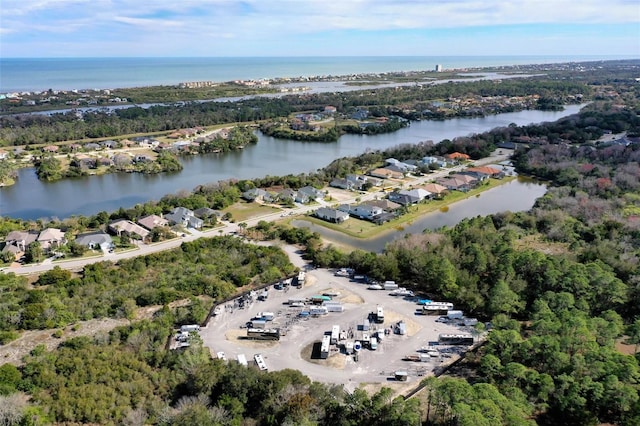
401, 101
559, 284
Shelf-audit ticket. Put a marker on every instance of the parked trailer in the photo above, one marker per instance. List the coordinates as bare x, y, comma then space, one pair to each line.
401, 376
333, 307
455, 315
267, 316
324, 347
365, 325
401, 328
258, 324
318, 310
263, 334
259, 360
379, 315
242, 360
455, 339
335, 334
390, 285
189, 328
434, 310
445, 305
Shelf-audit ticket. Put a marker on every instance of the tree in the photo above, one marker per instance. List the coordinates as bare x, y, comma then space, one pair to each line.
34, 253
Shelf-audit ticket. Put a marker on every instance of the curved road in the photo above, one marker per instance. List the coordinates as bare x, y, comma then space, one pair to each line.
227, 229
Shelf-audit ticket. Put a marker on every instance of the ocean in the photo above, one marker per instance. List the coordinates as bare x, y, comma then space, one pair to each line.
38, 74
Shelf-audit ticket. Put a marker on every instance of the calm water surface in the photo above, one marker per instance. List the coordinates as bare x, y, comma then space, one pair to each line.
514, 196
30, 198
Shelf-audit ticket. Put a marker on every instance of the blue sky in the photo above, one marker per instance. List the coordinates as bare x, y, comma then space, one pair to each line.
184, 28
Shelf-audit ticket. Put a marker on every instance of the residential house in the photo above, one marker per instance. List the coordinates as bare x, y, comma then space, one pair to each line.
399, 165
331, 215
254, 194
360, 114
441, 162
469, 180
287, 196
109, 144
403, 198
84, 162
50, 148
206, 212
121, 160
385, 173
185, 217
366, 211
454, 184
437, 190
458, 156
91, 146
96, 241
153, 221
51, 238
3, 154
104, 161
487, 170
311, 192
343, 183
329, 109
419, 193
126, 226
386, 205
21, 239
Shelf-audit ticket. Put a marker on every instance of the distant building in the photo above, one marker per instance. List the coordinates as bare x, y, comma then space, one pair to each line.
438, 68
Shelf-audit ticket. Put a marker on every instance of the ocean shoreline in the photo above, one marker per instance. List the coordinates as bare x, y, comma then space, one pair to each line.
41, 74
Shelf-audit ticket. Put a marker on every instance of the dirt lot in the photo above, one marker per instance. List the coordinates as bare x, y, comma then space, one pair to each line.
298, 348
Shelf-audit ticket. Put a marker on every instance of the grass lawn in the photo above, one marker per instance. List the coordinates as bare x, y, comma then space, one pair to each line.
242, 210
363, 229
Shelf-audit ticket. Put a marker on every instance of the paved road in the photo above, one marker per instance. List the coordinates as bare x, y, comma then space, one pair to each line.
227, 228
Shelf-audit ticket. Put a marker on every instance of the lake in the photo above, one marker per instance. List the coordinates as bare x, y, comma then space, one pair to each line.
32, 199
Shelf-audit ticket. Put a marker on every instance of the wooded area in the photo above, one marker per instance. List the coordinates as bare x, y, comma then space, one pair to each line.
560, 286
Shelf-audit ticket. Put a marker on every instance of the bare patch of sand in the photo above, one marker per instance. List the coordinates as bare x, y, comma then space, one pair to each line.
239, 336
335, 360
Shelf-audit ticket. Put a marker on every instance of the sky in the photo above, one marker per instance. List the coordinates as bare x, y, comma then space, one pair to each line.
219, 28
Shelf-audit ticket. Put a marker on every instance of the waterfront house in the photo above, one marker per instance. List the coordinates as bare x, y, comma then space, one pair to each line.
287, 196
385, 173
206, 212
331, 215
366, 211
342, 183
51, 238
403, 198
399, 165
153, 221
312, 193
96, 241
185, 217
487, 170
254, 194
435, 189
21, 239
127, 227
453, 183
386, 205
458, 156
469, 180
417, 193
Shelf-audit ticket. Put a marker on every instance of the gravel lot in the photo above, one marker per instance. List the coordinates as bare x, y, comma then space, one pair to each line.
224, 333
